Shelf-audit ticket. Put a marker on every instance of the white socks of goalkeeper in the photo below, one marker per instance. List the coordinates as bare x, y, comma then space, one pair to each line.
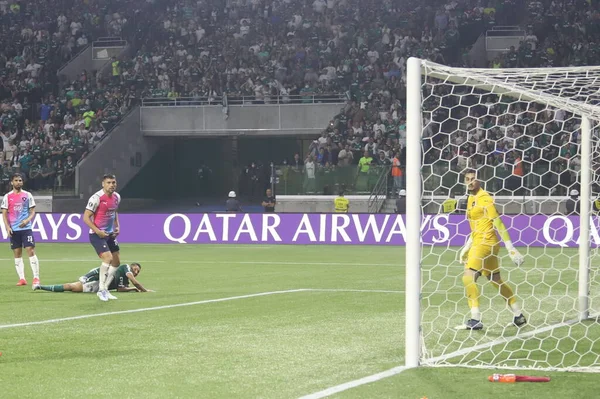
516, 309
35, 265
103, 276
20, 266
111, 276
475, 314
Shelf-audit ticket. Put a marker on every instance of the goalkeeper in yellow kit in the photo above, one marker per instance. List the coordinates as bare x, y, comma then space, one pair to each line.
480, 253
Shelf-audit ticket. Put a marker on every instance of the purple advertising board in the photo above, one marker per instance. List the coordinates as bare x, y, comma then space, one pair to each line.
349, 229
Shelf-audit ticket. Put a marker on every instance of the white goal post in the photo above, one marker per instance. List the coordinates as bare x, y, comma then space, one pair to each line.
527, 113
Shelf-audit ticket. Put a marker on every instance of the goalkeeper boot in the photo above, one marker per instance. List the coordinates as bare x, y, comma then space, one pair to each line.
473, 324
520, 320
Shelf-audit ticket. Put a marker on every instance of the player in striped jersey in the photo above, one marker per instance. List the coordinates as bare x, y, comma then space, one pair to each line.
18, 211
103, 220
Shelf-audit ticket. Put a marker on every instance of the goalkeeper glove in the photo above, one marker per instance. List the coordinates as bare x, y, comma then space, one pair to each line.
515, 255
464, 251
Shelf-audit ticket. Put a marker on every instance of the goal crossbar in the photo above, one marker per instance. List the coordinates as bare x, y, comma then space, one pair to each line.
509, 81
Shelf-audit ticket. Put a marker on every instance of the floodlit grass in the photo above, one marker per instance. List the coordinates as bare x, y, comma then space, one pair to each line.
342, 325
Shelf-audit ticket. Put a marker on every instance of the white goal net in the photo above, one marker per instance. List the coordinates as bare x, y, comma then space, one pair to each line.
530, 136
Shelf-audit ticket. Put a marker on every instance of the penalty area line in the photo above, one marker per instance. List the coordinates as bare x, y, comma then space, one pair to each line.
119, 312
177, 305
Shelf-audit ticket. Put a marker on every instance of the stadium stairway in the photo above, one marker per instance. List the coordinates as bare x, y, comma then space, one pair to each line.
124, 151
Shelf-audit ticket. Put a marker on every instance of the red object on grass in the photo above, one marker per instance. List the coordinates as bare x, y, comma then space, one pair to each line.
511, 378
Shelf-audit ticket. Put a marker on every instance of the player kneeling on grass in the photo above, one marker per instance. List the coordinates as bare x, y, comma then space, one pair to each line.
480, 253
91, 281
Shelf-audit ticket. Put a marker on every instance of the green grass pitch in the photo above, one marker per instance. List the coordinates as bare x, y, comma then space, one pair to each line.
345, 322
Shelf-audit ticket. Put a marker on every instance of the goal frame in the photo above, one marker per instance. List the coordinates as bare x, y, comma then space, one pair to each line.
414, 213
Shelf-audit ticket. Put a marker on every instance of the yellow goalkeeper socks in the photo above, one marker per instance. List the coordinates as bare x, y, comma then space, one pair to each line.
472, 292
508, 294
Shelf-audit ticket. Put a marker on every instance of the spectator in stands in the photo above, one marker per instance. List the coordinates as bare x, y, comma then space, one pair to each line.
269, 202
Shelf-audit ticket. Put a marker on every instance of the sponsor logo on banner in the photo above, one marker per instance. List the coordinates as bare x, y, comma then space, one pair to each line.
347, 229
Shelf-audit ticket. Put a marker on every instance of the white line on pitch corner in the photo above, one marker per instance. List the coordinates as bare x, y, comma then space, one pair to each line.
177, 305
355, 383
397, 370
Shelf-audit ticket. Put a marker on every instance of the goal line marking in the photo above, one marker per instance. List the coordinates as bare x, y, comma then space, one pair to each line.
177, 305
498, 341
399, 369
353, 384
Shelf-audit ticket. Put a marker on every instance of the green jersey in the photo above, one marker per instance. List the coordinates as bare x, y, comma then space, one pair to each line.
120, 280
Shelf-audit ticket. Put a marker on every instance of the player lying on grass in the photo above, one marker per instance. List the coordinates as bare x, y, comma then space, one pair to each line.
91, 281
480, 253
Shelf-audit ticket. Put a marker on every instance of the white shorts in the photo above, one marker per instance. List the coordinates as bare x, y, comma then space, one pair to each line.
92, 286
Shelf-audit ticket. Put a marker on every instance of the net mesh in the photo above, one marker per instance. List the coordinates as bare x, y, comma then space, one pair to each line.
520, 130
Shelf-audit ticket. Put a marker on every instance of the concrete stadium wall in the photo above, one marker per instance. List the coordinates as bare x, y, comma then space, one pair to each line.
124, 152
291, 119
318, 204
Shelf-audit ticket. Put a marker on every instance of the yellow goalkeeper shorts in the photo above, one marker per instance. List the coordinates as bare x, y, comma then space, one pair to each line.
483, 258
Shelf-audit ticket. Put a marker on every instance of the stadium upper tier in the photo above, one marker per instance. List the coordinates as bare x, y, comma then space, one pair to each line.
253, 51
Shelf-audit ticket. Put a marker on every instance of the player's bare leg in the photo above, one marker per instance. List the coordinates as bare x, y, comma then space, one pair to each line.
103, 289
511, 300
469, 279
20, 266
112, 270
74, 287
35, 266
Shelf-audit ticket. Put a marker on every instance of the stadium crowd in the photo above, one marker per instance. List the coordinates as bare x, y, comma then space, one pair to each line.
517, 147
255, 50
47, 124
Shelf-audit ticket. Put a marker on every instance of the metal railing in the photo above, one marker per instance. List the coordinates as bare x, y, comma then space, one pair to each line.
322, 98
327, 180
107, 42
439, 179
379, 192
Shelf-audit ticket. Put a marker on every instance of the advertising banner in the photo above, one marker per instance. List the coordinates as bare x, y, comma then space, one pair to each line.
348, 229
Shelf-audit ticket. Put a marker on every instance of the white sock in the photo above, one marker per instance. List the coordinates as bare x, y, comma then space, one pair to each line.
475, 314
20, 266
103, 274
35, 266
111, 276
516, 309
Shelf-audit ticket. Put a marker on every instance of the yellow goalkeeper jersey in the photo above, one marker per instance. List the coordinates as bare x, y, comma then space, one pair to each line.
481, 213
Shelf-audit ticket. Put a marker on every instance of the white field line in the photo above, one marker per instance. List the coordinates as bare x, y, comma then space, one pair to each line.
351, 290
177, 305
178, 245
206, 262
397, 370
502, 340
590, 370
353, 384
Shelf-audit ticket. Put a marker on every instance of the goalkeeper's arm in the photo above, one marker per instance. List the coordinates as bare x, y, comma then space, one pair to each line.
464, 251
515, 256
